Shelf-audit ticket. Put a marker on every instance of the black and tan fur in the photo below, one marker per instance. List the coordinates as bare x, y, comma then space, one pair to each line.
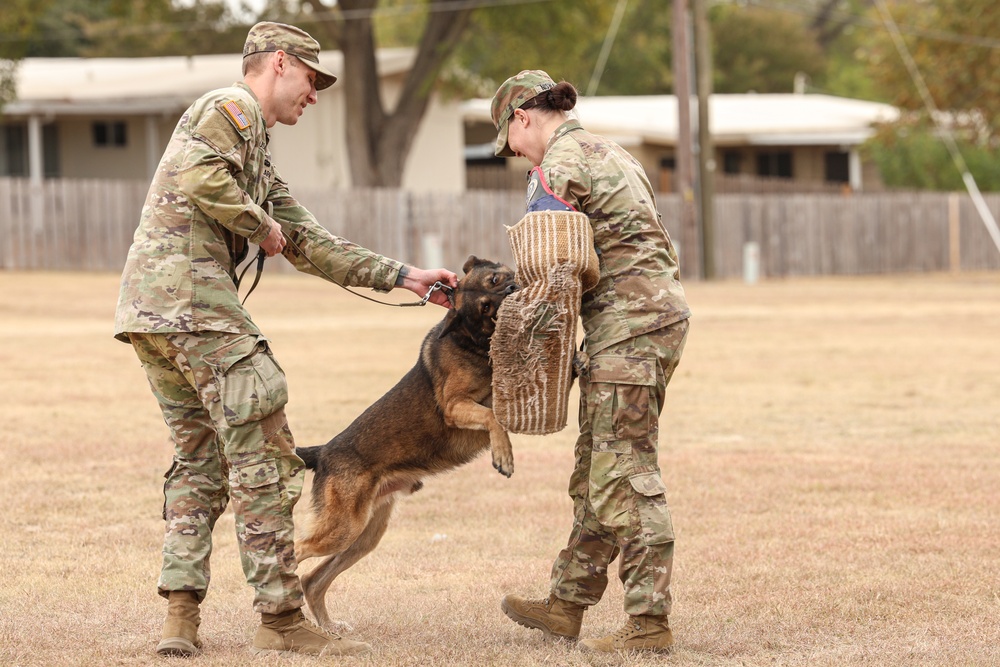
436, 418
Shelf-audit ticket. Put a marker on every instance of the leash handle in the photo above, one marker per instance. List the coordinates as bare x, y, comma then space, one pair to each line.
261, 256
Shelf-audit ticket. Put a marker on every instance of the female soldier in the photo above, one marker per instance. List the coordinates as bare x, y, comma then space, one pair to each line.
635, 323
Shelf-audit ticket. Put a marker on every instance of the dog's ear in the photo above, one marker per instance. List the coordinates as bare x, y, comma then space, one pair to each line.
451, 321
469, 263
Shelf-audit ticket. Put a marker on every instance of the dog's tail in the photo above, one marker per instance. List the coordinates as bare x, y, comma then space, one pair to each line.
309, 455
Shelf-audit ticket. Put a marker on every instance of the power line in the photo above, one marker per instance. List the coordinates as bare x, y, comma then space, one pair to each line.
320, 17
949, 140
609, 40
856, 19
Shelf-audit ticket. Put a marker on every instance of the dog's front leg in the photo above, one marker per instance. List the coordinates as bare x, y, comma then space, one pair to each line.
466, 413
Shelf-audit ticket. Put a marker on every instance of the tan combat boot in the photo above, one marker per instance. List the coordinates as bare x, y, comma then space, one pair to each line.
556, 618
640, 633
180, 630
292, 631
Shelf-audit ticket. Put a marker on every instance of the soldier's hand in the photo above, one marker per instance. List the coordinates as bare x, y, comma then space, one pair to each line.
419, 281
275, 241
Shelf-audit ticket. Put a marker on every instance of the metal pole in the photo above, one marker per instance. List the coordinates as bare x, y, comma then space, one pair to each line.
706, 148
684, 160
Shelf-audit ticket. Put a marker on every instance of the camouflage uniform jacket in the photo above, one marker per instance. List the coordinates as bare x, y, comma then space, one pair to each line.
206, 201
639, 290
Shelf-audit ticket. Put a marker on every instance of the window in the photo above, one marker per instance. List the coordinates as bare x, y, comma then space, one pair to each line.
110, 133
14, 150
732, 162
775, 164
668, 165
837, 167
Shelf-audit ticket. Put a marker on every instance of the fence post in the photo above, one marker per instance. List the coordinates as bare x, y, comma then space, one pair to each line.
751, 262
954, 233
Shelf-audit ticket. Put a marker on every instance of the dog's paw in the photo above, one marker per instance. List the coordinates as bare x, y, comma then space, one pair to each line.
504, 465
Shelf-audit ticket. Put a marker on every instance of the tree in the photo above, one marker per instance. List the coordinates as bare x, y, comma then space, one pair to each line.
379, 139
18, 25
834, 18
127, 28
910, 155
564, 41
761, 50
955, 47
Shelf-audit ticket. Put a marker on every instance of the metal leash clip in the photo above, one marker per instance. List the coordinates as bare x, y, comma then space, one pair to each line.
436, 286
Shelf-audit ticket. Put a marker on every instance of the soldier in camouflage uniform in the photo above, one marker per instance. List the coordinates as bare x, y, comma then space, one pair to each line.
635, 322
211, 370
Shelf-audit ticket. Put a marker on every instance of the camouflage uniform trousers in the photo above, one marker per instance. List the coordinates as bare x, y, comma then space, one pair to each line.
222, 397
619, 499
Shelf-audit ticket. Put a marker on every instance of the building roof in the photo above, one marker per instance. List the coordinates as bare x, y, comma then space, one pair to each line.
751, 119
143, 85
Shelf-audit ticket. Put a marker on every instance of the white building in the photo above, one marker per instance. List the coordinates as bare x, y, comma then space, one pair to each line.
803, 137
111, 118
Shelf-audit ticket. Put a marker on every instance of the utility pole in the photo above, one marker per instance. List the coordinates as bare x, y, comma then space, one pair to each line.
684, 162
706, 148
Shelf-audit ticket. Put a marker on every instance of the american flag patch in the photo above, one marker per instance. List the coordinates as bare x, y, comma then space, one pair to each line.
234, 110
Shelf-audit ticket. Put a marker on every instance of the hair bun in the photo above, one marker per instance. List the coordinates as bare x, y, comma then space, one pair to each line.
563, 96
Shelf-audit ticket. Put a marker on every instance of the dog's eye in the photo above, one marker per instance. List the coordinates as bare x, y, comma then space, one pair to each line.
496, 278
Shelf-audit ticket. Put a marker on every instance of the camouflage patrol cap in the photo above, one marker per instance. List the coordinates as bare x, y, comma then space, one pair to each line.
268, 37
510, 96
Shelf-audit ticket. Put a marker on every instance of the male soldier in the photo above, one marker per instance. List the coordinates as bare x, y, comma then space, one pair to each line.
636, 323
221, 392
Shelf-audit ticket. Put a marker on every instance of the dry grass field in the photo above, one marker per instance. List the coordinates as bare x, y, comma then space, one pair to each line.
831, 449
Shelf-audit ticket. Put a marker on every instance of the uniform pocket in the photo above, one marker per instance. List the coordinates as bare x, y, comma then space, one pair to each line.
256, 489
621, 388
253, 387
651, 503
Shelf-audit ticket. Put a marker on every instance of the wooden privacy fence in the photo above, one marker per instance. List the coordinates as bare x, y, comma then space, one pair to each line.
88, 225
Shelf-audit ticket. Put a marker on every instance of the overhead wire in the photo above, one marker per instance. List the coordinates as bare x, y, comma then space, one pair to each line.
801, 8
946, 134
333, 14
609, 40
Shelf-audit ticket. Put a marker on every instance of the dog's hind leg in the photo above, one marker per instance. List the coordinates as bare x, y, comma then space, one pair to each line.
316, 583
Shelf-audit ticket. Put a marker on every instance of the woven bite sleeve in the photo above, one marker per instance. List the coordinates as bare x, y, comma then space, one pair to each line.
535, 339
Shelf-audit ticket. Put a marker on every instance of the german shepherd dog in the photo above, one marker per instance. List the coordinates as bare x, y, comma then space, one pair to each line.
436, 418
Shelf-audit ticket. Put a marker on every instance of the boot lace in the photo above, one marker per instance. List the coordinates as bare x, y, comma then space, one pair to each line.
329, 634
632, 628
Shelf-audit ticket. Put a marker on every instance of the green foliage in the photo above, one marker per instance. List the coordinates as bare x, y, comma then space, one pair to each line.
18, 25
399, 22
910, 155
954, 45
504, 40
761, 50
641, 60
118, 28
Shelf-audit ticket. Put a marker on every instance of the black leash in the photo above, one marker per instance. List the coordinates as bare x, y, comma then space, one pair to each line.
261, 256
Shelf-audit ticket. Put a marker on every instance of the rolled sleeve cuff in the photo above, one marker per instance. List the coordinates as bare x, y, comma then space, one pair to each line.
262, 230
385, 273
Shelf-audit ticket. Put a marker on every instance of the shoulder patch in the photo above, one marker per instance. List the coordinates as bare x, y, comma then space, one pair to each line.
236, 113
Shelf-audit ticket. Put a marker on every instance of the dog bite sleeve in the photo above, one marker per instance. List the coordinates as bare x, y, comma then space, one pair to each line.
535, 340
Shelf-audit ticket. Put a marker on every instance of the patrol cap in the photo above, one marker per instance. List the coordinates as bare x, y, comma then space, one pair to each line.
510, 96
267, 37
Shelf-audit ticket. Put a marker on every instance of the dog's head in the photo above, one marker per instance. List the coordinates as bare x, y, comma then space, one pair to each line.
477, 299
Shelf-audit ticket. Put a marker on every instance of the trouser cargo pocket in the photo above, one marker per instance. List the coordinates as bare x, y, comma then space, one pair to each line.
253, 387
651, 504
